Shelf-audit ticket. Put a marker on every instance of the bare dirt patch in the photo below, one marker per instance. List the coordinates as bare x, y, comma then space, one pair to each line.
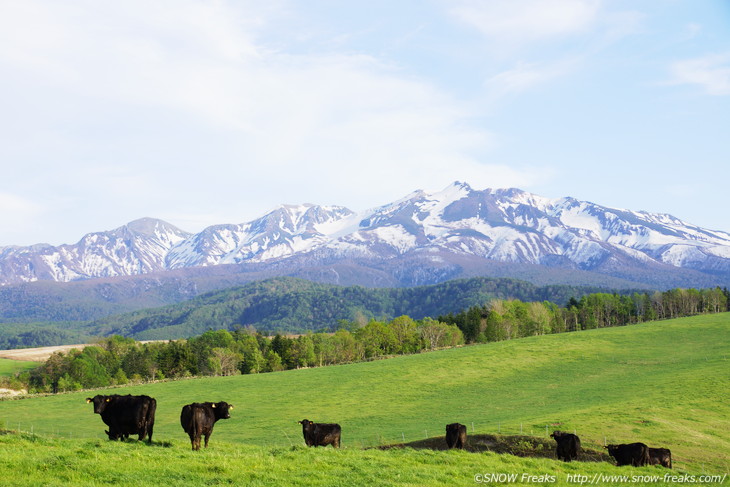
39, 354
12, 392
518, 445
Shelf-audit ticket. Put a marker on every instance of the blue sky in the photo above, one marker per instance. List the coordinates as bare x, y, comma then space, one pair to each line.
205, 112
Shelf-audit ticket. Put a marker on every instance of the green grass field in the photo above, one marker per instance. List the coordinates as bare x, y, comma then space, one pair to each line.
665, 383
31, 461
10, 367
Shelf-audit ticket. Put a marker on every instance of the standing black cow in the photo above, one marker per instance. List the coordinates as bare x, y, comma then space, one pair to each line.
321, 434
568, 445
456, 435
126, 415
660, 456
198, 419
635, 454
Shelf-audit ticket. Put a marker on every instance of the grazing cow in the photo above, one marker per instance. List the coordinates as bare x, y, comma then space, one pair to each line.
456, 435
126, 415
198, 419
568, 445
660, 456
635, 454
321, 434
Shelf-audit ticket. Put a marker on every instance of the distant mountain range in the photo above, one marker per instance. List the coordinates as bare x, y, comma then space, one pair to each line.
423, 238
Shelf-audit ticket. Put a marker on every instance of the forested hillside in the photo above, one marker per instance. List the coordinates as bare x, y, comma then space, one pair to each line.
294, 305
279, 304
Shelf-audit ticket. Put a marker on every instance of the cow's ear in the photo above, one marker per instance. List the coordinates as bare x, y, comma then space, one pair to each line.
88, 400
230, 406
212, 405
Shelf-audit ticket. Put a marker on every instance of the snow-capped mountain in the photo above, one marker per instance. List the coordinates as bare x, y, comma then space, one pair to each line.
422, 238
139, 247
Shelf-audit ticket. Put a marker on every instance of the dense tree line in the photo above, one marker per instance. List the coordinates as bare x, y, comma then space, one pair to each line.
118, 360
507, 319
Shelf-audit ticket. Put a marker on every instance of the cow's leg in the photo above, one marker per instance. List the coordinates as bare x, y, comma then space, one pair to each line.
207, 437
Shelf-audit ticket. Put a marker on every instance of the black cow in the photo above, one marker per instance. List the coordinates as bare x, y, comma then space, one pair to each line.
198, 419
568, 445
126, 415
660, 456
456, 435
321, 434
635, 454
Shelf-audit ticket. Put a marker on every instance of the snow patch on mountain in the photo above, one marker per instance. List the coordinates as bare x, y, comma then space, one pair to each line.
506, 225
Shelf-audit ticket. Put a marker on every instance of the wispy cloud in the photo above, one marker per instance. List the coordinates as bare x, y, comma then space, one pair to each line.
710, 72
520, 22
525, 76
532, 42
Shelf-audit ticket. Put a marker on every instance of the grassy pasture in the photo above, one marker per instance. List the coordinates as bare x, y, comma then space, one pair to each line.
10, 367
664, 383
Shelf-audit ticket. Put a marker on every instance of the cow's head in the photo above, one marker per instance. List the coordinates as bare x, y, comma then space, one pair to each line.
453, 427
100, 403
557, 434
112, 436
306, 424
221, 409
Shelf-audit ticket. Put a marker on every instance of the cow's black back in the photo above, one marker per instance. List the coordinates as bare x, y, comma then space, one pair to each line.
635, 454
455, 435
126, 415
321, 434
198, 419
568, 445
660, 456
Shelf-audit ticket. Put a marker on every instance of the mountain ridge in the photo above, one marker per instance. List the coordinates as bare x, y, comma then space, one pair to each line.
422, 238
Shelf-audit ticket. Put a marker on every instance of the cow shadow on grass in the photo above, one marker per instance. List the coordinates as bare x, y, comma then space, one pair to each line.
518, 445
135, 441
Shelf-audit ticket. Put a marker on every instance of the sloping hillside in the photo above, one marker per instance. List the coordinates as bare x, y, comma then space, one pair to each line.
663, 383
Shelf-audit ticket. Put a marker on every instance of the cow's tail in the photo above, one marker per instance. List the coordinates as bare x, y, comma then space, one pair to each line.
196, 430
150, 419
645, 459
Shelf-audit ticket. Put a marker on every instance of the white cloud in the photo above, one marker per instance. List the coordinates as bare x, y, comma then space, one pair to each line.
519, 22
179, 109
710, 72
531, 42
